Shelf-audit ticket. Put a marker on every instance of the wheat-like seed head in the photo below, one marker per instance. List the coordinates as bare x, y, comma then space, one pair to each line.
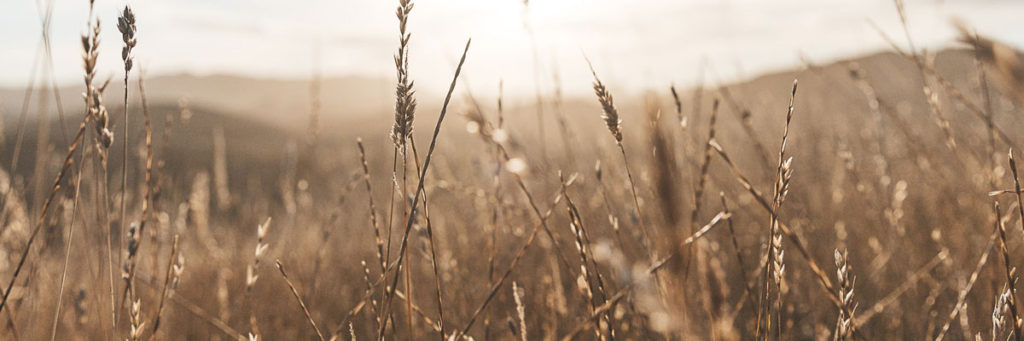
787, 174
138, 325
133, 249
520, 309
779, 268
405, 102
94, 94
1002, 307
583, 281
178, 269
1005, 59
373, 208
848, 307
252, 271
610, 115
126, 24
90, 54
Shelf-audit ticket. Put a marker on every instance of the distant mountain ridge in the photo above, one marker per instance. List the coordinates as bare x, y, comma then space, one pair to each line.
349, 104
281, 102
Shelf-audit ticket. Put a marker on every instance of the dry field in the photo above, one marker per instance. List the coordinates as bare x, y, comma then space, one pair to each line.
875, 198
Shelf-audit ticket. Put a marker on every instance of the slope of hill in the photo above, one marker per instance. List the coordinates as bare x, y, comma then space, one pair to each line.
185, 142
285, 103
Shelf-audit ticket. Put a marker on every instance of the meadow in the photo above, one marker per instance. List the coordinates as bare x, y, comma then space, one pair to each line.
873, 198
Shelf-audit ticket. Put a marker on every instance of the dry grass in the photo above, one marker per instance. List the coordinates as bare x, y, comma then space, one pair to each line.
502, 237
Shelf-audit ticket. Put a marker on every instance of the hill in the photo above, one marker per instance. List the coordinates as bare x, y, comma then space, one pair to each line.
281, 102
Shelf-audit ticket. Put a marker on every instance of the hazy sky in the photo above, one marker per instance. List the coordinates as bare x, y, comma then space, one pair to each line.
634, 44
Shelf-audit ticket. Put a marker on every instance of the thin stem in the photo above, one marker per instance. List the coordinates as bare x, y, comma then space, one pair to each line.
636, 203
419, 187
67, 250
433, 249
299, 298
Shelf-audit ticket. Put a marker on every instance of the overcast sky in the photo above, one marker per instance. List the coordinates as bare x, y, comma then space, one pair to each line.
634, 44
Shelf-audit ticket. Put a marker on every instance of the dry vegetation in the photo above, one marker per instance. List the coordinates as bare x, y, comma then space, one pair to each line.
880, 199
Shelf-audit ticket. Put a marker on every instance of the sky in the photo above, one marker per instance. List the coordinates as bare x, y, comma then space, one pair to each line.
634, 44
